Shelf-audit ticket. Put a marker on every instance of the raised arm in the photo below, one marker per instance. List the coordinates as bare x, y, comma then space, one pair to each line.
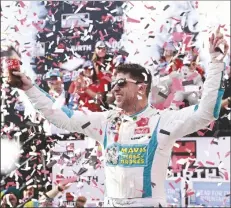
176, 124
86, 122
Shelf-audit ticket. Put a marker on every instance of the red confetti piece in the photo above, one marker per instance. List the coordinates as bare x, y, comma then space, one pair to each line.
177, 180
101, 190
200, 164
142, 191
9, 184
18, 173
94, 182
45, 171
226, 176
16, 28
210, 163
200, 133
131, 3
132, 20
190, 193
170, 184
28, 177
37, 27
175, 19
21, 4
150, 7
100, 132
211, 125
177, 36
227, 154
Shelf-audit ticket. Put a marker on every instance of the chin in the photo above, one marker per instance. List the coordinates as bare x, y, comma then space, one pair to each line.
119, 104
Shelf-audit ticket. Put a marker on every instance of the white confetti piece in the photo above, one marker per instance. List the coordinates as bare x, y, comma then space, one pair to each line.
29, 182
176, 145
49, 34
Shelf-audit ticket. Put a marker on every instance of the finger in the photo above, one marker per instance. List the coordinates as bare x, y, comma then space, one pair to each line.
20, 74
211, 39
220, 35
216, 42
226, 48
219, 42
218, 30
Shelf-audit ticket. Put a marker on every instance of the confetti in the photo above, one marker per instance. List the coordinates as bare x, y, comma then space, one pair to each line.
166, 7
210, 163
86, 125
162, 95
162, 131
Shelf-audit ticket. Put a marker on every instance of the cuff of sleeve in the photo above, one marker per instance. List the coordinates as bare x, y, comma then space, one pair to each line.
31, 91
215, 68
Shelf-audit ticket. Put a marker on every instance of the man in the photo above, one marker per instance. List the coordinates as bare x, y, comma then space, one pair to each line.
80, 202
10, 197
142, 136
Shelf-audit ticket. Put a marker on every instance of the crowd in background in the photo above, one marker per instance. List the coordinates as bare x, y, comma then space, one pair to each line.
88, 87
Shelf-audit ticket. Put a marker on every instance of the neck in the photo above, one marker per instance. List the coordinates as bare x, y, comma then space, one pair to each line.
136, 108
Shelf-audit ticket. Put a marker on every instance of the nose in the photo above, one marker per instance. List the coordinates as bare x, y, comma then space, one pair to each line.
116, 88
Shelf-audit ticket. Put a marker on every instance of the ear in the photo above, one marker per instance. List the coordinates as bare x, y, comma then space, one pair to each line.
142, 88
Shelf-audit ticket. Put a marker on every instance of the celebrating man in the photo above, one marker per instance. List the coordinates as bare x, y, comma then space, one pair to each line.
137, 136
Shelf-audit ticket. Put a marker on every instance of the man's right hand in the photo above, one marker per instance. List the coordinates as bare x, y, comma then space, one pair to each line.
27, 83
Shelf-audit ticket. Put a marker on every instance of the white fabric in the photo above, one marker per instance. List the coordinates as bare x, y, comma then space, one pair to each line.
133, 182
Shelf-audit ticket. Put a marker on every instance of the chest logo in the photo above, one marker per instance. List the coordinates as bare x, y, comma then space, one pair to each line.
142, 126
127, 155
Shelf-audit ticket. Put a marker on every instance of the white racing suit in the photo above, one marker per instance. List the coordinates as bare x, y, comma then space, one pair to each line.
136, 165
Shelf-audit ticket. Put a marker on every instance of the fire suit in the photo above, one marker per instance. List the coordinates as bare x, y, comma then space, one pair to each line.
136, 164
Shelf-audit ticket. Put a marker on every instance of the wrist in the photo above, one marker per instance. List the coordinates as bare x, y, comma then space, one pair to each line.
217, 57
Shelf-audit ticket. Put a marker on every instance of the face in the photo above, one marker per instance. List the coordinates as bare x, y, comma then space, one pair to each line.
29, 192
192, 67
168, 53
80, 203
185, 71
127, 94
55, 85
88, 72
101, 52
10, 200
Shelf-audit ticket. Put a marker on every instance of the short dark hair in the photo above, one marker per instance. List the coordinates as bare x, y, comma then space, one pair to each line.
138, 73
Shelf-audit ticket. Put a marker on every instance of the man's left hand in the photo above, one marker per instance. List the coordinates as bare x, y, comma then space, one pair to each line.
215, 41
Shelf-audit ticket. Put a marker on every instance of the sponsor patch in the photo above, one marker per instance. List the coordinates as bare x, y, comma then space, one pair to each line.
127, 155
144, 130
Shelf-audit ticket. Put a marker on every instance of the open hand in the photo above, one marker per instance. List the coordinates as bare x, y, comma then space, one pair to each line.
217, 41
